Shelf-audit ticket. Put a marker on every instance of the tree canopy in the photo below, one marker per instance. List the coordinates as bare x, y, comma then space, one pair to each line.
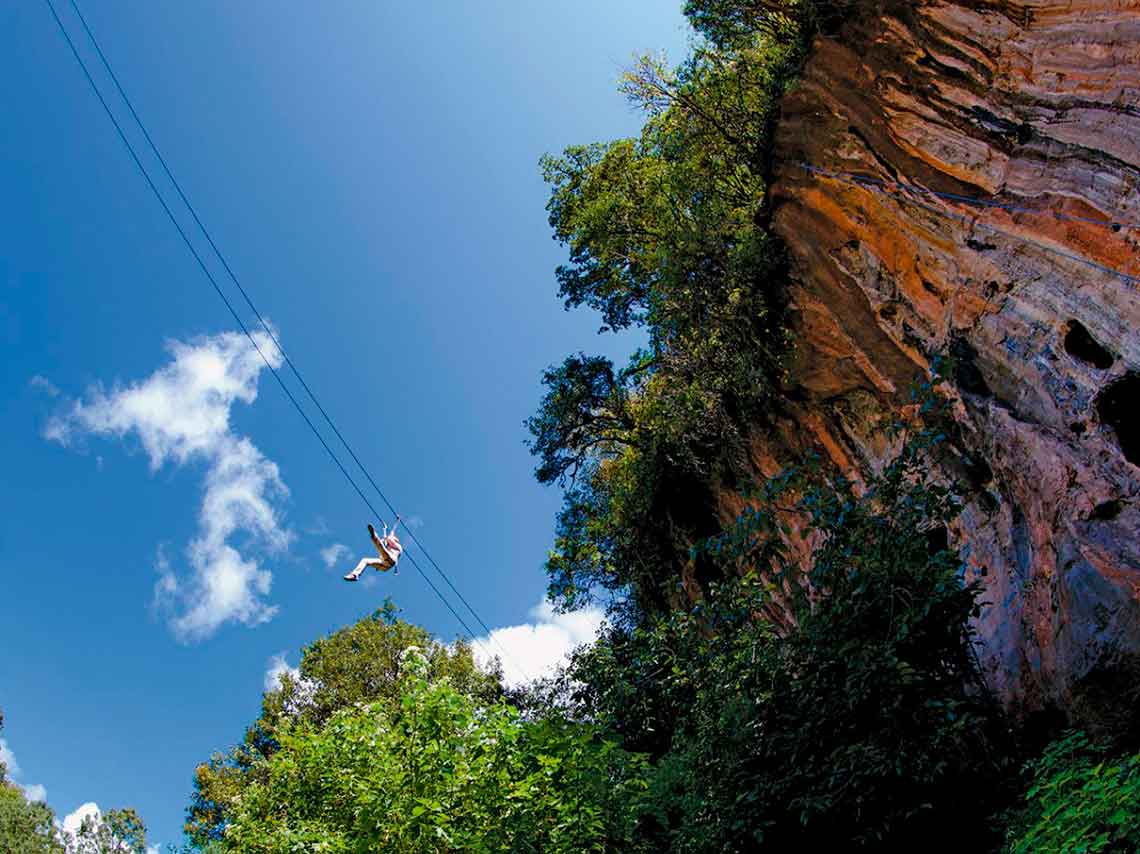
437, 771
354, 665
667, 232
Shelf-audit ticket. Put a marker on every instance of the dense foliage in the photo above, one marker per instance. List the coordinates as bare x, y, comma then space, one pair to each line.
667, 232
25, 826
1081, 799
436, 771
116, 832
357, 664
836, 706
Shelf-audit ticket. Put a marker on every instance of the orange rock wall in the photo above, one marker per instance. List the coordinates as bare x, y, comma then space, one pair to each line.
1034, 105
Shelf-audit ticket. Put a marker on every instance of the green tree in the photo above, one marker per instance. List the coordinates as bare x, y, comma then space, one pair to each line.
438, 771
118, 831
666, 231
26, 827
357, 664
729, 22
834, 705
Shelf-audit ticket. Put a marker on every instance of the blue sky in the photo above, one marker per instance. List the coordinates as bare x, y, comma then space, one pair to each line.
370, 171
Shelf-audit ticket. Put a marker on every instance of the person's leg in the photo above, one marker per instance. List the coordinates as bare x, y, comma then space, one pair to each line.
360, 567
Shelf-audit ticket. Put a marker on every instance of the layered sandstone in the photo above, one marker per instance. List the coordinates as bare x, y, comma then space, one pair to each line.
1032, 105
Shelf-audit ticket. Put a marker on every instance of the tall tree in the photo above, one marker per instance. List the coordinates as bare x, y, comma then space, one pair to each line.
118, 831
438, 771
26, 827
667, 232
357, 664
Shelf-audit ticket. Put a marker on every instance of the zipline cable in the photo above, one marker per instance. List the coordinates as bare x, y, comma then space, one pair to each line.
269, 330
237, 318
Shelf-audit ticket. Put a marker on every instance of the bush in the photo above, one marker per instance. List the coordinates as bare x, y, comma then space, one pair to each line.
438, 772
1081, 800
835, 703
356, 664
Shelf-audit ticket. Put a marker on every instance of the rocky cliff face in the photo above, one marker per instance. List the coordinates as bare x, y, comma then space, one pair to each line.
1034, 106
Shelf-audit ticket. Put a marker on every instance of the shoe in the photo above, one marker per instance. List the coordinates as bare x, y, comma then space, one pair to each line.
371, 530
350, 577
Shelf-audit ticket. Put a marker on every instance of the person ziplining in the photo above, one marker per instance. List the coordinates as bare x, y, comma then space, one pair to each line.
388, 546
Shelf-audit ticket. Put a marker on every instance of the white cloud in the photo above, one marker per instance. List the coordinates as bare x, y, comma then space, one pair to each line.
42, 383
8, 758
32, 791
277, 668
541, 646
181, 415
67, 829
333, 554
74, 820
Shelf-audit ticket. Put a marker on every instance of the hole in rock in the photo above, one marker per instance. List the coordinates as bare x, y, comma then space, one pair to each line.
1117, 406
1106, 511
937, 539
966, 374
977, 470
980, 245
1080, 344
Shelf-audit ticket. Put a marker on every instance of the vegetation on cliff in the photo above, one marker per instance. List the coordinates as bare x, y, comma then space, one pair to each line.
665, 232
1082, 797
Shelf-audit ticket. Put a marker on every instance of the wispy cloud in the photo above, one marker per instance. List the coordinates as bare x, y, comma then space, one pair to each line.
42, 383
181, 416
318, 528
32, 791
334, 554
541, 646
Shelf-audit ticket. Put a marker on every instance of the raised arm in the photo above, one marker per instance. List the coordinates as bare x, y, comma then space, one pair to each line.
372, 533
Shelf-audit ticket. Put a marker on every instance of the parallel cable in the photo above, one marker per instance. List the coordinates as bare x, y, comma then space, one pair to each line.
885, 188
269, 330
237, 318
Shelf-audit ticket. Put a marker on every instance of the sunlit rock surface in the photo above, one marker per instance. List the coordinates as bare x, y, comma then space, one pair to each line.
1034, 105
